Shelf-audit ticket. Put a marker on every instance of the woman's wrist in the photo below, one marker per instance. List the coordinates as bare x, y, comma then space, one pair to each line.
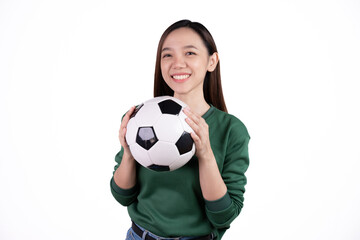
125, 175
211, 182
127, 156
207, 157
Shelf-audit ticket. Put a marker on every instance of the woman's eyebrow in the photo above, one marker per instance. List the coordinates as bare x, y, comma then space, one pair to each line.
165, 49
185, 47
190, 46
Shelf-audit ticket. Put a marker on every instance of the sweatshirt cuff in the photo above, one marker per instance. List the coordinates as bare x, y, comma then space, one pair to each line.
121, 191
219, 204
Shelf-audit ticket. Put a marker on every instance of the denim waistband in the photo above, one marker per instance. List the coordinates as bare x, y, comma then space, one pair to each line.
163, 238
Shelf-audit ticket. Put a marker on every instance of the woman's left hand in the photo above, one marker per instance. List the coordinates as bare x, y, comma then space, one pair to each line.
212, 185
200, 135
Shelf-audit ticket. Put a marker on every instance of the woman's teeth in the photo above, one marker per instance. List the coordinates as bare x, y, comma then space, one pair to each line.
180, 77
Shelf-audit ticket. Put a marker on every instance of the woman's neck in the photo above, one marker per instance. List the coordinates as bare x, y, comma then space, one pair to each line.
196, 102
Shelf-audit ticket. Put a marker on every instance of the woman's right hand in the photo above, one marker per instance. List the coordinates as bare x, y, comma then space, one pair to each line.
122, 131
125, 174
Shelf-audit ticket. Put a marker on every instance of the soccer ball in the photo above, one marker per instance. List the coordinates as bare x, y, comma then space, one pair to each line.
158, 135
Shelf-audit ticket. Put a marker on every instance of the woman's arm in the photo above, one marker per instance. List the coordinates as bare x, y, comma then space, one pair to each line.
125, 174
211, 183
123, 183
223, 193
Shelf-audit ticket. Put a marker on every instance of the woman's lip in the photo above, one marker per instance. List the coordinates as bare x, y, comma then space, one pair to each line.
180, 73
179, 78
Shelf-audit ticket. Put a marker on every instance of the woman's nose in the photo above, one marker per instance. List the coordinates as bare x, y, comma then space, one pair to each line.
179, 62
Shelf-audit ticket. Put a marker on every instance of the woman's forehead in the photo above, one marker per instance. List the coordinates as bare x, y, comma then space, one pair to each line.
183, 38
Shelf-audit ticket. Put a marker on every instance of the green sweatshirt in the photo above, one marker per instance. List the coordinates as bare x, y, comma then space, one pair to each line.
170, 204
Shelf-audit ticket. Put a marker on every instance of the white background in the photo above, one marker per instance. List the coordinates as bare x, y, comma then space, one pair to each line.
69, 70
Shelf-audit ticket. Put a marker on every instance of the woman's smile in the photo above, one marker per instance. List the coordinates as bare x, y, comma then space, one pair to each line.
180, 77
184, 62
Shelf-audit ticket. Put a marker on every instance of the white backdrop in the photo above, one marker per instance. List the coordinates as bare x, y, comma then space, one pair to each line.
69, 70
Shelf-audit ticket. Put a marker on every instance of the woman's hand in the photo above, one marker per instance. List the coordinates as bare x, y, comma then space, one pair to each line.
125, 174
200, 135
122, 132
211, 183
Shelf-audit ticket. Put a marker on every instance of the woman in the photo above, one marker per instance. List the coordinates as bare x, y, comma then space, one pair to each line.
202, 198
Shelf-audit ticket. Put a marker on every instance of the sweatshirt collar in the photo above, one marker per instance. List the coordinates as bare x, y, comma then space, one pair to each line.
208, 112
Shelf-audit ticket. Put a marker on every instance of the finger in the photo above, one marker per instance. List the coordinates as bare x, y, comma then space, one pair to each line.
122, 132
123, 135
127, 116
131, 110
199, 122
124, 122
191, 115
122, 138
129, 113
196, 138
192, 124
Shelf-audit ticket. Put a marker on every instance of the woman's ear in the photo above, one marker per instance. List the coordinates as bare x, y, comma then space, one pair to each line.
213, 61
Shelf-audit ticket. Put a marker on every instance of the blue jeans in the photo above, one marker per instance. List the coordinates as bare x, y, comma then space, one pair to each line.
131, 235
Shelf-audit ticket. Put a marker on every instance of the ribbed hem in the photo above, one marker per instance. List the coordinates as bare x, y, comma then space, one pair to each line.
121, 191
220, 204
208, 112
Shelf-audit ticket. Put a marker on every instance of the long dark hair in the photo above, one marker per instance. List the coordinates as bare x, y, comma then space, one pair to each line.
212, 85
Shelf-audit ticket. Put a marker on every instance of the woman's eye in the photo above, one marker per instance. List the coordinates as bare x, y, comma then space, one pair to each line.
190, 53
166, 55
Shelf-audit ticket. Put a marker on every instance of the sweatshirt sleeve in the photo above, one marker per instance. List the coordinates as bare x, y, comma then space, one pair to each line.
124, 196
223, 211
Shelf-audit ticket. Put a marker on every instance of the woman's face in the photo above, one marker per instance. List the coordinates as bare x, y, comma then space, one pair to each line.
185, 61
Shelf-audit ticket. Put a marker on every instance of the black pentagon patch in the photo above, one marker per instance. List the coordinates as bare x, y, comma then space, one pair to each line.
170, 107
136, 110
159, 168
185, 143
146, 137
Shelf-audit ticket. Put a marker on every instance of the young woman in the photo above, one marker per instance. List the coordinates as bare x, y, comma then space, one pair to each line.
202, 198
